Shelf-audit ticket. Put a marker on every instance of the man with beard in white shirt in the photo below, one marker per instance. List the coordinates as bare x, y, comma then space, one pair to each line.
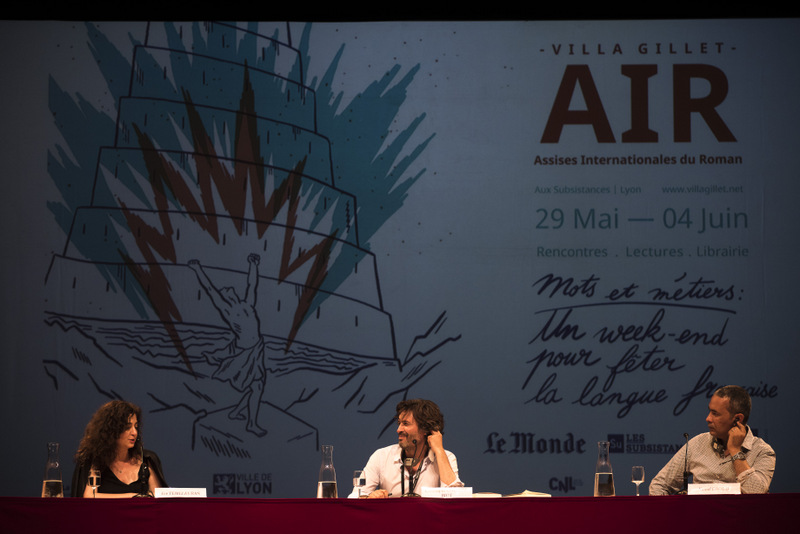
417, 460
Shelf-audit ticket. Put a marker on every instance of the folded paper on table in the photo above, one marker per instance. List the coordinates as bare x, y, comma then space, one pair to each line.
715, 489
446, 493
180, 492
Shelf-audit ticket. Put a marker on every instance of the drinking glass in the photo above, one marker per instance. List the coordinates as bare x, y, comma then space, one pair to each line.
359, 481
94, 480
637, 476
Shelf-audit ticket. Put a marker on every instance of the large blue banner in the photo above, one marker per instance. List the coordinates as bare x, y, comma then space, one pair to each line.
267, 234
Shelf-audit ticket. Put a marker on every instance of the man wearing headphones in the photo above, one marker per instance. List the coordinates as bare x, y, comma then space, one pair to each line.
728, 452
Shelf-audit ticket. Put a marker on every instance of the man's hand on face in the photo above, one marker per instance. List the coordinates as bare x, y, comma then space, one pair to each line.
736, 437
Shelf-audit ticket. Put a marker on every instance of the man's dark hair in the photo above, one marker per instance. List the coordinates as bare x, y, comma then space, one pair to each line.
426, 414
738, 399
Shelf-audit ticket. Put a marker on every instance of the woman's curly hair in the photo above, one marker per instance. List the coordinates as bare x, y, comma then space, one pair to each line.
99, 443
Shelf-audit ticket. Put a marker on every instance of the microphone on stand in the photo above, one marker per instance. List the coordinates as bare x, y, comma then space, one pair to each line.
408, 462
144, 474
686, 473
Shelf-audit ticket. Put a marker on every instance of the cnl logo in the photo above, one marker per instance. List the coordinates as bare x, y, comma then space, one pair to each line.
565, 485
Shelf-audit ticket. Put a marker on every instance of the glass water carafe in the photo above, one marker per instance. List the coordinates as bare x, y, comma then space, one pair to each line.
603, 475
326, 487
52, 485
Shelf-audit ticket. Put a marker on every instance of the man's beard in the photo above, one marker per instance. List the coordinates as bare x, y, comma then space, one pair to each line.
412, 449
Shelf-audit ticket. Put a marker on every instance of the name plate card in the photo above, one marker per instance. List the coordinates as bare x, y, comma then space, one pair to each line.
732, 488
180, 493
446, 493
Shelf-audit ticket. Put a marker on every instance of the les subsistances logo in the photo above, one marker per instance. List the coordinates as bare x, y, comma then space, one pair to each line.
637, 444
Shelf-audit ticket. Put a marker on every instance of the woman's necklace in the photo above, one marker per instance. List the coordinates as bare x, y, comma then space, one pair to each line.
127, 471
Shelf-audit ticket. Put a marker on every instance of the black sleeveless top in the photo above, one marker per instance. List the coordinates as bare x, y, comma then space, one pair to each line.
109, 483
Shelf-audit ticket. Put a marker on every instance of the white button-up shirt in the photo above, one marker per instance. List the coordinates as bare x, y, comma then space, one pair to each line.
384, 468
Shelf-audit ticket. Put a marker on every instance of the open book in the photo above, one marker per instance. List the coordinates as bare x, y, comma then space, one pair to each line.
528, 493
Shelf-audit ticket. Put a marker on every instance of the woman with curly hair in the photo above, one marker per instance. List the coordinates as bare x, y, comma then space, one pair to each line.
112, 445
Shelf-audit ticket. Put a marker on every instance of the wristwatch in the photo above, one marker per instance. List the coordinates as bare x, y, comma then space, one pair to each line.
739, 456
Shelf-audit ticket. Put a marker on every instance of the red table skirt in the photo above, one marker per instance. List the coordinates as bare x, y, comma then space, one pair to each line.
645, 514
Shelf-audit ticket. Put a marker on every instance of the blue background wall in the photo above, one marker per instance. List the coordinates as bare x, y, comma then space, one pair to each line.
469, 212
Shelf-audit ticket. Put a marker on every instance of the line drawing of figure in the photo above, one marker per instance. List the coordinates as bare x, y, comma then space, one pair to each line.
241, 362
